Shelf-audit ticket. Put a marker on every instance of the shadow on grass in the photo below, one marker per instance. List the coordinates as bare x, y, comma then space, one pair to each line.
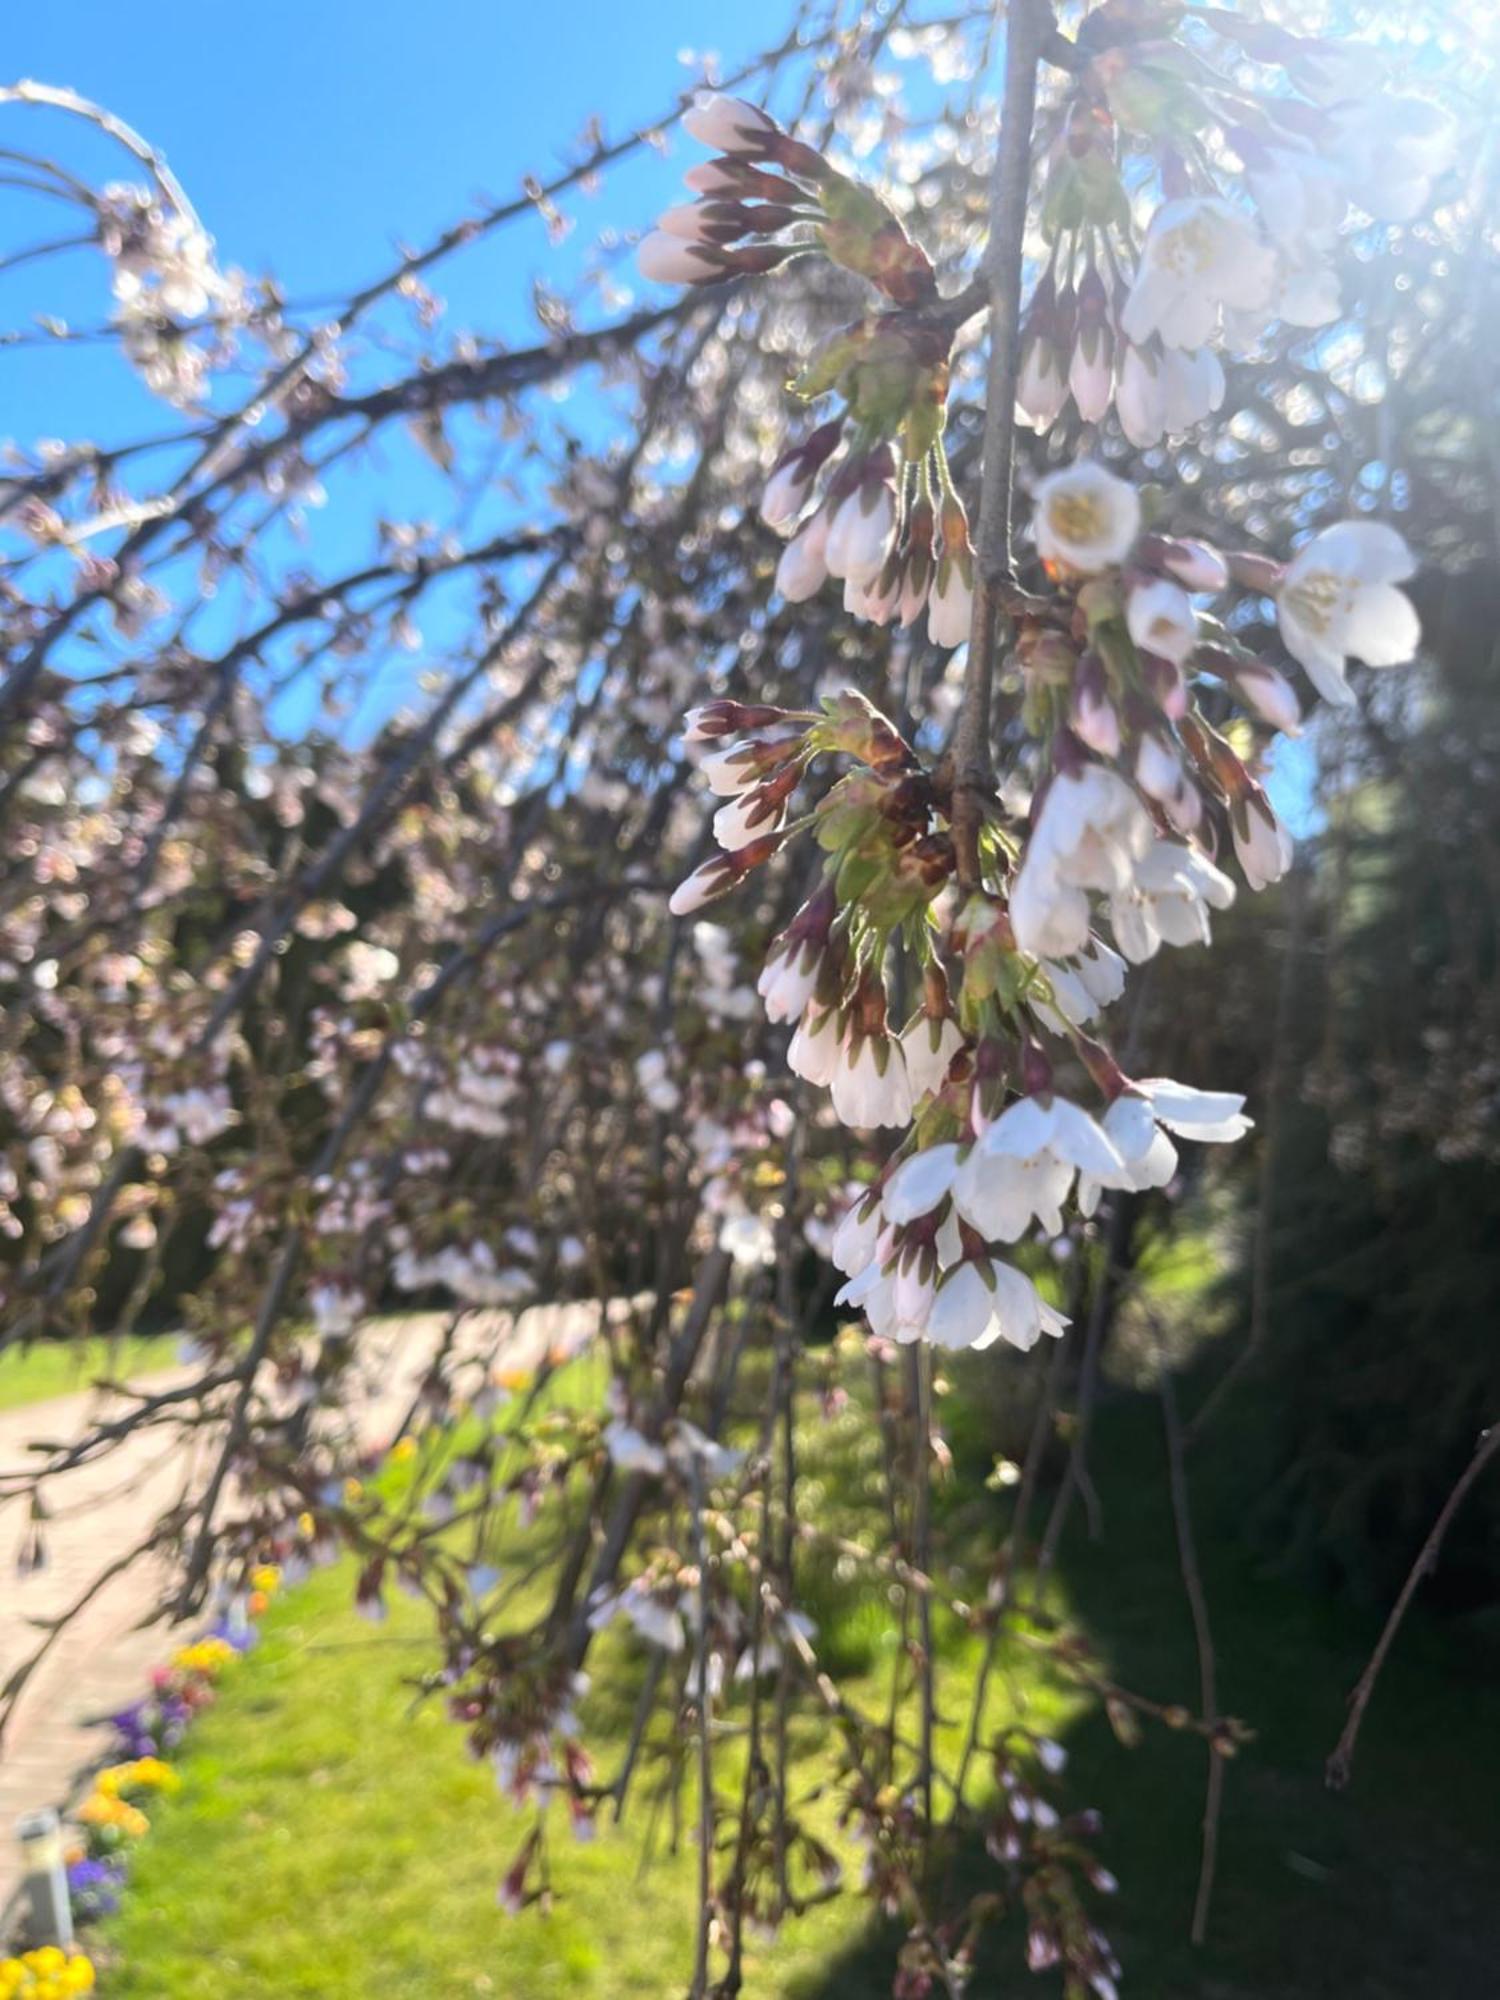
1385, 1892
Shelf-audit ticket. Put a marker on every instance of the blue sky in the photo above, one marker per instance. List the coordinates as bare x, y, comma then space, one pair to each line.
318, 139
314, 137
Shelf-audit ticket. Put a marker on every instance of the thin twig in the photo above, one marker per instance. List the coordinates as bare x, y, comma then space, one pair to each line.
1340, 1764
1192, 1583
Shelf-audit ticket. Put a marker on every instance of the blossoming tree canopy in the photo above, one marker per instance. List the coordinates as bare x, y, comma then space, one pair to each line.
706, 962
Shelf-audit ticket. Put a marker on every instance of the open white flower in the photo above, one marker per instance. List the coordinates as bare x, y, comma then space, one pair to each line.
1168, 901
1138, 1123
1086, 519
1200, 255
658, 1621
749, 1239
1301, 200
1023, 1166
1209, 1116
689, 1445
1338, 598
1090, 833
767, 1656
657, 1087
983, 1300
920, 1183
1094, 979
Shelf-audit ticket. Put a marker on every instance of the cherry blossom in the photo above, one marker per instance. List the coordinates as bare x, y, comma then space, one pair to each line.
1338, 597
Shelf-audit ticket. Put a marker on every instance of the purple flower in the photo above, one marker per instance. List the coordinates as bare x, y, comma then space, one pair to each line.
94, 1887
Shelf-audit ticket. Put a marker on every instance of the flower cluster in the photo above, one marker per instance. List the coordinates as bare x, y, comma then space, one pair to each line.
867, 497
1163, 251
49, 1973
111, 1818
1131, 689
164, 278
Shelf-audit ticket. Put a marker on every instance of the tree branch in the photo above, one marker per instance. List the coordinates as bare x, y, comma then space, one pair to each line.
1340, 1764
1030, 23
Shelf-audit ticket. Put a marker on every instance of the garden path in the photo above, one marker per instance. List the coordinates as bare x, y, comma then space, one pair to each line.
102, 1510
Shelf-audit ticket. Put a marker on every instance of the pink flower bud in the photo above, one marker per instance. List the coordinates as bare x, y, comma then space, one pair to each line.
668, 260
1270, 695
728, 124
1196, 565
1095, 719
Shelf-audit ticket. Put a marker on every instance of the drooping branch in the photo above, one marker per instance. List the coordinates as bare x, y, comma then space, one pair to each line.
1030, 23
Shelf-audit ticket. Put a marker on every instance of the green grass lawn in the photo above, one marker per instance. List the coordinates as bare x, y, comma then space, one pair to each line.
333, 1842
59, 1367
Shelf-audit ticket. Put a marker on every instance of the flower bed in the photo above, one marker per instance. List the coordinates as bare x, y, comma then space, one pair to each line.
115, 1814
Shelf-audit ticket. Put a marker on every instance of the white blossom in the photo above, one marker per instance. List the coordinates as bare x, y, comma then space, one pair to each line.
857, 1234
1262, 844
869, 1083
950, 607
657, 1621
929, 1047
785, 495
747, 818
982, 1301
1090, 833
862, 533
788, 979
632, 1452
803, 568
1093, 980
1022, 1167
748, 1239
1338, 598
1167, 900
1200, 255
1086, 518
920, 1183
813, 1052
